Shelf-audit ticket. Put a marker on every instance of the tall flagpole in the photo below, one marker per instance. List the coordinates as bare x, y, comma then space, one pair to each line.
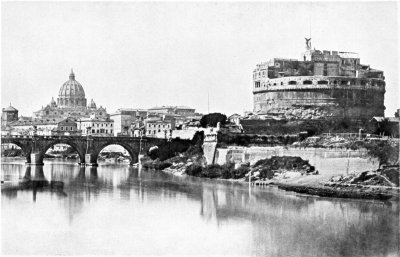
208, 102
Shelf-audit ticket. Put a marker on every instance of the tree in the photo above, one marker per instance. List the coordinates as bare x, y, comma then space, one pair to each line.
212, 119
384, 128
384, 151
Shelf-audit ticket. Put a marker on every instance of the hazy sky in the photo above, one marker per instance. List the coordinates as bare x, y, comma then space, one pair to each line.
138, 54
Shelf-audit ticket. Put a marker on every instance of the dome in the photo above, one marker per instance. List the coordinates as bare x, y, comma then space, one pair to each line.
71, 88
53, 103
92, 105
71, 94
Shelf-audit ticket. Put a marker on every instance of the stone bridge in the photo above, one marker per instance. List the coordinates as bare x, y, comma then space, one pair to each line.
88, 148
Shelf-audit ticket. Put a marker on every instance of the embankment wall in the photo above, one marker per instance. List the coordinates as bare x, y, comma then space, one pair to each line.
326, 161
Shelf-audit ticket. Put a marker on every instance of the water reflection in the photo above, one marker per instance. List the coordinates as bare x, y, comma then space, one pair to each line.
206, 217
33, 180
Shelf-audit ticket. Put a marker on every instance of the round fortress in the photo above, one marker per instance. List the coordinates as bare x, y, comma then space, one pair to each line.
323, 85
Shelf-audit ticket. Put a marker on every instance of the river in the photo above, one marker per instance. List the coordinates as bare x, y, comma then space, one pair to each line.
63, 209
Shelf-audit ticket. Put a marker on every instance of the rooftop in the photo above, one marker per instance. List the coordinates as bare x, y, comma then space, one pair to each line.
171, 107
36, 122
10, 109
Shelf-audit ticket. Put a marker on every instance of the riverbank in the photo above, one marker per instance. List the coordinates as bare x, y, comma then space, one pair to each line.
291, 174
327, 186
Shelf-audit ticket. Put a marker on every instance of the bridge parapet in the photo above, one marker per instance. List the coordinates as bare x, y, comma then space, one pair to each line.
87, 147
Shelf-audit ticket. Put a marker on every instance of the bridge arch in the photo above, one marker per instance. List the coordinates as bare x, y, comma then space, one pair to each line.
133, 153
74, 146
26, 149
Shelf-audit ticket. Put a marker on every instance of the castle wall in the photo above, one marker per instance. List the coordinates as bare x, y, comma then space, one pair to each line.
333, 96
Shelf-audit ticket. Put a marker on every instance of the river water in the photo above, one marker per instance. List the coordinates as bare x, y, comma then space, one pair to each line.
63, 209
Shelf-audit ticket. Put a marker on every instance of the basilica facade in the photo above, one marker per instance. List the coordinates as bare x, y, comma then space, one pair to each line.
71, 102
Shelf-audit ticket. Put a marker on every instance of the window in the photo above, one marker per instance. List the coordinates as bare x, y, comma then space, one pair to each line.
62, 128
93, 131
322, 82
307, 82
111, 131
292, 82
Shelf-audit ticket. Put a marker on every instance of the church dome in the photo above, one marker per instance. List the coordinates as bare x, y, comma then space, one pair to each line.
71, 88
71, 94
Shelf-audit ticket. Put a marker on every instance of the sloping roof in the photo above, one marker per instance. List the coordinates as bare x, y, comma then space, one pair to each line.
96, 119
36, 122
390, 119
378, 119
10, 109
171, 107
234, 116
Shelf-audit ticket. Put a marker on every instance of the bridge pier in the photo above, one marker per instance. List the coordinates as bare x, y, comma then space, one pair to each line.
91, 160
138, 161
36, 159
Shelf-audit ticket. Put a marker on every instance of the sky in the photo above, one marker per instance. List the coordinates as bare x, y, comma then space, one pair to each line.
143, 54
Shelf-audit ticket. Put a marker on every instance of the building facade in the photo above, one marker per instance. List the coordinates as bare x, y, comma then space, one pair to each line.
324, 84
161, 128
40, 127
66, 127
124, 118
96, 126
179, 110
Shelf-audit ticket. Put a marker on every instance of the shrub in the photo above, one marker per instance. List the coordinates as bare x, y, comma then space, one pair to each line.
240, 172
266, 173
212, 171
194, 170
384, 151
162, 165
392, 174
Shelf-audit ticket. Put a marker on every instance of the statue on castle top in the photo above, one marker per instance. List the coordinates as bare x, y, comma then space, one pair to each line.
308, 43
